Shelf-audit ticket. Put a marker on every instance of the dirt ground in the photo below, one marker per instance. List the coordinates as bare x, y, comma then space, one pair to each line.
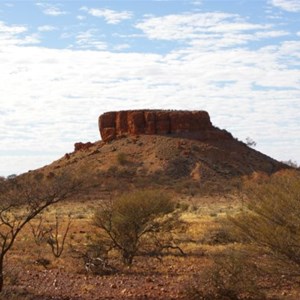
66, 278
150, 280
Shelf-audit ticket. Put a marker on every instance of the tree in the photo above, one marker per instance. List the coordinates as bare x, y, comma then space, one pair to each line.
22, 199
272, 216
134, 220
250, 142
291, 163
51, 234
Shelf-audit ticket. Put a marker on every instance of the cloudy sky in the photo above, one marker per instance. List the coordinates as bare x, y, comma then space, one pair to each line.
63, 63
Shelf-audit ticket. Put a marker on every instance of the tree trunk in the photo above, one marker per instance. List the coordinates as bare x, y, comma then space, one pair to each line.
127, 258
1, 274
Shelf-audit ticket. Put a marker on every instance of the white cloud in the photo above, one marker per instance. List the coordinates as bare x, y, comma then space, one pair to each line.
60, 93
16, 35
289, 51
30, 39
88, 39
110, 16
47, 28
54, 11
207, 30
51, 10
189, 26
271, 34
288, 5
121, 47
80, 17
11, 30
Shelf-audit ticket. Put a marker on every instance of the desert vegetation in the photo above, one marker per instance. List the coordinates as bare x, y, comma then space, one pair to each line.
23, 199
271, 218
157, 243
137, 221
266, 248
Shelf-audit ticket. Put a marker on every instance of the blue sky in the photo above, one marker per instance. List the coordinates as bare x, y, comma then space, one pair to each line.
63, 63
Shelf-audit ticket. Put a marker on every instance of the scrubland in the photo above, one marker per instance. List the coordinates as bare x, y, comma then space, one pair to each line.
218, 258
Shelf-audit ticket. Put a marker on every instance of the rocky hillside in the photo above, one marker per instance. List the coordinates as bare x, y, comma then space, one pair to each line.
177, 149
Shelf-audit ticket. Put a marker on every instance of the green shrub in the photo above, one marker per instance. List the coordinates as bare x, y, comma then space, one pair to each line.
272, 217
135, 220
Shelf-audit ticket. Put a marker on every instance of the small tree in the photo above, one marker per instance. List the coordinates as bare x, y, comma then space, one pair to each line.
50, 234
272, 217
291, 163
250, 142
134, 218
22, 199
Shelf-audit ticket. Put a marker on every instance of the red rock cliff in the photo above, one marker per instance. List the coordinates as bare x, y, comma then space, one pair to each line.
117, 124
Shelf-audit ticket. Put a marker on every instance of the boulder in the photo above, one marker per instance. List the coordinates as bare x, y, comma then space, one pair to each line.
82, 146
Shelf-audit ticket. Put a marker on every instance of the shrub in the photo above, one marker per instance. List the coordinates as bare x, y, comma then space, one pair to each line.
219, 236
135, 220
291, 163
94, 258
231, 276
250, 142
272, 217
24, 198
122, 158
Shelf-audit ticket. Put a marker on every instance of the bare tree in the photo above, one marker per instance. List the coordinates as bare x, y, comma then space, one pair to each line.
50, 234
22, 199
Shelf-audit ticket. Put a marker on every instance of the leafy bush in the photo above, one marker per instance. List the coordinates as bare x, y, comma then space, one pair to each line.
135, 220
272, 217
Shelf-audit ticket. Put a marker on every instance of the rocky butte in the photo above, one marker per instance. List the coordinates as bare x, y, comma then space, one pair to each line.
192, 124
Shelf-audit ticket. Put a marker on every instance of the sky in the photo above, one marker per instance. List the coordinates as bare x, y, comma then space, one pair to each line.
63, 63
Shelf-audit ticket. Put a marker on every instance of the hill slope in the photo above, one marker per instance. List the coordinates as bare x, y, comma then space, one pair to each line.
178, 149
148, 160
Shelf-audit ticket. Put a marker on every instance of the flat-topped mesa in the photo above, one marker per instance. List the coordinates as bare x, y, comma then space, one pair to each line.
134, 122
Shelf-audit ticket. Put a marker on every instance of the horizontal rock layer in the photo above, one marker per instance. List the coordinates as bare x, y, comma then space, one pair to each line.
134, 122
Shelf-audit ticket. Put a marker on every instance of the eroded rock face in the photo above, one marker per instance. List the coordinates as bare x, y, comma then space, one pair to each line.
82, 146
134, 122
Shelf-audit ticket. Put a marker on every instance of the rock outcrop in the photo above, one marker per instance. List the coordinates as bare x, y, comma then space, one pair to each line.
82, 146
113, 125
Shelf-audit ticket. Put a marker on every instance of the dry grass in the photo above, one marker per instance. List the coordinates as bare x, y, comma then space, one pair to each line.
148, 276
